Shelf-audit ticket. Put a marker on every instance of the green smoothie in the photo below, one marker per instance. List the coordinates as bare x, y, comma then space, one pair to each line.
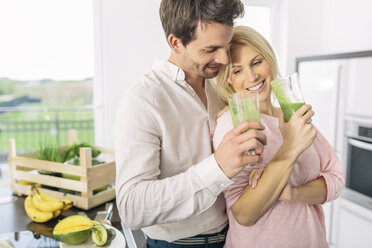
289, 109
282, 93
244, 110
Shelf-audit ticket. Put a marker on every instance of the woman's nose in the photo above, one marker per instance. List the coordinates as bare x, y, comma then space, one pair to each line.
252, 75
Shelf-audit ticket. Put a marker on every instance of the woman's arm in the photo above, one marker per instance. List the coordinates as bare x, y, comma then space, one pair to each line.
253, 202
298, 135
314, 192
329, 183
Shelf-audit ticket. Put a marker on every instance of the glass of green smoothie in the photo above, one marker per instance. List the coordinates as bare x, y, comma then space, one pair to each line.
288, 92
244, 106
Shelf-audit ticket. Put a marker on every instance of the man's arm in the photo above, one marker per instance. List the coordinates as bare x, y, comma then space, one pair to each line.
143, 199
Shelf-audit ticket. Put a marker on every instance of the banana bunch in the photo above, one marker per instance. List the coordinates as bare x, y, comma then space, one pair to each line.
42, 208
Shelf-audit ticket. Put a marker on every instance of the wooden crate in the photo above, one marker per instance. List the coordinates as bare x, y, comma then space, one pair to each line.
91, 177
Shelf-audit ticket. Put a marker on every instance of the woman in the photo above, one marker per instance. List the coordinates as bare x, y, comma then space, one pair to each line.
295, 218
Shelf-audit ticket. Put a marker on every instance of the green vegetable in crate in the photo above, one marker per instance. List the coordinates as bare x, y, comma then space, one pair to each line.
49, 152
73, 152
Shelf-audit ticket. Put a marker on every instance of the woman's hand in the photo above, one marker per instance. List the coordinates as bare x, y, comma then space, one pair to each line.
287, 193
255, 175
298, 133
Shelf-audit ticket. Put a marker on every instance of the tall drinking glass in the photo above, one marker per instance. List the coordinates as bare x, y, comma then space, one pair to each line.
288, 92
244, 106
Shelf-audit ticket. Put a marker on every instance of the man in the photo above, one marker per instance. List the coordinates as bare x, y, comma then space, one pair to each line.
168, 180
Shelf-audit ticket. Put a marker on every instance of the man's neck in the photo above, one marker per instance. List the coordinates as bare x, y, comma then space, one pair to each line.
195, 81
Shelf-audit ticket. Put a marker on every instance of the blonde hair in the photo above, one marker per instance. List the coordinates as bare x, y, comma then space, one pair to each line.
244, 35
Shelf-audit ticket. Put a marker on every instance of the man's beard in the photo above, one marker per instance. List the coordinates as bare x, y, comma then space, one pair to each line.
202, 71
207, 74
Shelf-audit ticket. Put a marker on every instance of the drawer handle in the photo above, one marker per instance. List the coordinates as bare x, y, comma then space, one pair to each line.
360, 144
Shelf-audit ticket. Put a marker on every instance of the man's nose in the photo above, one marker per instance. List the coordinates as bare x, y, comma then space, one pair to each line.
222, 57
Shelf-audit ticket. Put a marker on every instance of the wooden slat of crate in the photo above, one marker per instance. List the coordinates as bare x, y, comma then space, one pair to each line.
47, 165
53, 181
104, 150
78, 201
99, 198
90, 177
101, 175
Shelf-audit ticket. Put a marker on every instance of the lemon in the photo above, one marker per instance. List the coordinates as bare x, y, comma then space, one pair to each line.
99, 235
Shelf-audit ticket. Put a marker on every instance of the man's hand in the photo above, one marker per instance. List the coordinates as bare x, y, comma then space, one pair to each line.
231, 154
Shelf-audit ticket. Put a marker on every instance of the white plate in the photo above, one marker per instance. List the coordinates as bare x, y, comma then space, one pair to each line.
117, 242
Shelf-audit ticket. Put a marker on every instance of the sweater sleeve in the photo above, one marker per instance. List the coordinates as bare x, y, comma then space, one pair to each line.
330, 168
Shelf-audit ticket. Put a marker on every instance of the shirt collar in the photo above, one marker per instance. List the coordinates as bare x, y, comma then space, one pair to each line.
178, 75
172, 70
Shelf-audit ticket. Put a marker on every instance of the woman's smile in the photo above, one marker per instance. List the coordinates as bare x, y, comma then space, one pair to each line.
258, 87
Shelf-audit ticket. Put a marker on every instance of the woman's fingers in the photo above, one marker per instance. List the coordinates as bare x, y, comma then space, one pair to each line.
255, 175
302, 111
307, 116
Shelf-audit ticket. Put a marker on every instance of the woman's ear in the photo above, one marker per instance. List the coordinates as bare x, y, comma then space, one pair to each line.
175, 43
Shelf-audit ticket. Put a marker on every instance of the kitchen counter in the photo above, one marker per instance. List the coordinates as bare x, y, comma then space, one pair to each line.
18, 227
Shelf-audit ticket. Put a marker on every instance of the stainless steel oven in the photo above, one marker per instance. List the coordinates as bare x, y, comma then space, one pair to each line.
359, 163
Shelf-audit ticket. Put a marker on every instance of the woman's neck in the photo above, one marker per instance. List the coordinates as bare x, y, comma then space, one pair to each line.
267, 108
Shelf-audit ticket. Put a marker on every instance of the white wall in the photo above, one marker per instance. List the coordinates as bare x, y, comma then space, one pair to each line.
129, 36
301, 24
348, 26
324, 27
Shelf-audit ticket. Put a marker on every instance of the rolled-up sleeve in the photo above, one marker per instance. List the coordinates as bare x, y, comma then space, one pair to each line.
330, 168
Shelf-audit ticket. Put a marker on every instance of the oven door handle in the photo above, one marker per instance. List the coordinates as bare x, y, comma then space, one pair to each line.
360, 144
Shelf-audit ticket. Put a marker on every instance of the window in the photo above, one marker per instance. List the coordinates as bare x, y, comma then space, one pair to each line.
46, 72
258, 18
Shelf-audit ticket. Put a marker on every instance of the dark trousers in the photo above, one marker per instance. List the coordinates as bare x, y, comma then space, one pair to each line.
209, 241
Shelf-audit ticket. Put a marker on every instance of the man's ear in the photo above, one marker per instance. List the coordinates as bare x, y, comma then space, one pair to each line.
175, 43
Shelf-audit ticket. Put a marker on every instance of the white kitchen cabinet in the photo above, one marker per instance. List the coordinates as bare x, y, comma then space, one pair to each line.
322, 83
359, 78
323, 86
353, 225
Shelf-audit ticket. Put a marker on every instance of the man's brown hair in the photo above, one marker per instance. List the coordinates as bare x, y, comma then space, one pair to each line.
181, 17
